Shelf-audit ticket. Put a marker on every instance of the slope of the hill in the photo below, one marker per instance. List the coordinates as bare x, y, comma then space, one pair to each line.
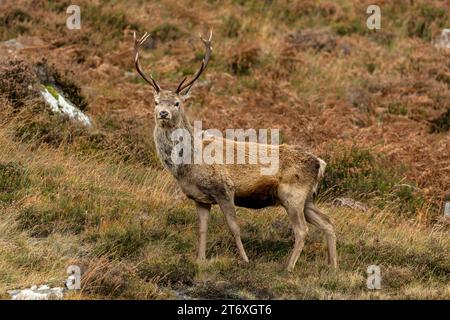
373, 104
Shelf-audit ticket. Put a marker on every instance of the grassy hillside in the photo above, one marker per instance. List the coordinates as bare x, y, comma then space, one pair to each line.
375, 105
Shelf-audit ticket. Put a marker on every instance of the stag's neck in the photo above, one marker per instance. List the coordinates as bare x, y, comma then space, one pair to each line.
165, 144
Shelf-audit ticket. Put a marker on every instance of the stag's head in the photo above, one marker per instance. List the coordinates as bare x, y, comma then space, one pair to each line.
168, 103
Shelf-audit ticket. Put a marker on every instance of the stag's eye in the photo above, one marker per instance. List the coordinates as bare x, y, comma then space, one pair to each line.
156, 103
177, 104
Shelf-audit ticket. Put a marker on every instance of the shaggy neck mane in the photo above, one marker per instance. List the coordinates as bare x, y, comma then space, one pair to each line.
165, 144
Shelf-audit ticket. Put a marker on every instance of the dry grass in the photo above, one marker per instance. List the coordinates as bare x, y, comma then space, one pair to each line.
137, 240
100, 199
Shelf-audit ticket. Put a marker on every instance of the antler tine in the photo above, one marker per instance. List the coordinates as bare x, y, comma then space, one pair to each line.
137, 45
210, 36
179, 86
203, 66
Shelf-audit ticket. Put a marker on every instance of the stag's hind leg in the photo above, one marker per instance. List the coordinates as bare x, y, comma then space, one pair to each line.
324, 223
293, 199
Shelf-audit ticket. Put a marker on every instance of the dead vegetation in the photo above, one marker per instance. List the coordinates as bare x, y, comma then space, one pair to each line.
374, 104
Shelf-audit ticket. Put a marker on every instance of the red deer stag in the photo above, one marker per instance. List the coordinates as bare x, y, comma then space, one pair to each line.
237, 184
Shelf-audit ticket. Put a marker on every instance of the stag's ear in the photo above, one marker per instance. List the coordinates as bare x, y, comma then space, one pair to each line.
185, 94
155, 95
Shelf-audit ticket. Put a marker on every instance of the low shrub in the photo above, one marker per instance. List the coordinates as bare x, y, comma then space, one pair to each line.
14, 22
100, 276
441, 123
246, 57
120, 239
17, 80
361, 174
65, 215
231, 26
166, 32
109, 24
12, 178
424, 17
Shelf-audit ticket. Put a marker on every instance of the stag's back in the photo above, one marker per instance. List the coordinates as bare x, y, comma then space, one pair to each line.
253, 186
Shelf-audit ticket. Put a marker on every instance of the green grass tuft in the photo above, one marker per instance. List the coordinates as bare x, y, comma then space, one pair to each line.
13, 178
169, 270
359, 173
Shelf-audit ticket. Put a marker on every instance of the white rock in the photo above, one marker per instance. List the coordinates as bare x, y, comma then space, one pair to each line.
44, 292
447, 209
348, 202
63, 106
12, 43
443, 41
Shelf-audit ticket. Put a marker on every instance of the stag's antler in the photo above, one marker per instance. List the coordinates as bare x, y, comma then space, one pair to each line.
137, 45
208, 49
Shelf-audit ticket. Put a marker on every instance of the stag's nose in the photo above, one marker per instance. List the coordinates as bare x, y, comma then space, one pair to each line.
163, 114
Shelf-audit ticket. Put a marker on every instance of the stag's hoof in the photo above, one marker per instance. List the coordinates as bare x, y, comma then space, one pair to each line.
333, 266
245, 259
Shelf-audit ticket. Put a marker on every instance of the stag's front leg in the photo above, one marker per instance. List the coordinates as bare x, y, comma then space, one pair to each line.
203, 211
228, 209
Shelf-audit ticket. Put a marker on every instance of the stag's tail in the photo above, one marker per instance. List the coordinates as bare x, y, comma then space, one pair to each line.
322, 166
320, 173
